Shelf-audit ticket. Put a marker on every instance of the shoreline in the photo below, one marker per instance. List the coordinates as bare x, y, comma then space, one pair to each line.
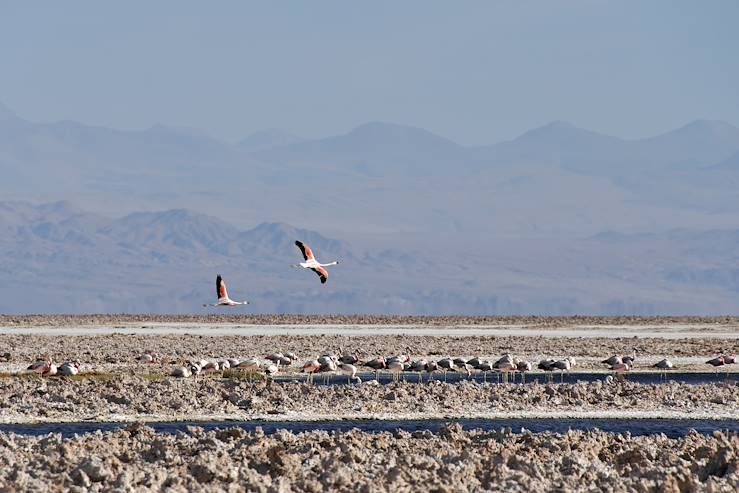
668, 331
370, 417
364, 417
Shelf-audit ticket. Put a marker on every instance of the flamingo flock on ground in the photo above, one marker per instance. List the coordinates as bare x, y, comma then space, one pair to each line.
46, 367
505, 369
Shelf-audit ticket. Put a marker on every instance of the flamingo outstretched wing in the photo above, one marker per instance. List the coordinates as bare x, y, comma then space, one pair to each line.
322, 273
221, 287
305, 250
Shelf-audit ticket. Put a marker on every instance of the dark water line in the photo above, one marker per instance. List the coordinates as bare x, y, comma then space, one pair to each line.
672, 428
492, 378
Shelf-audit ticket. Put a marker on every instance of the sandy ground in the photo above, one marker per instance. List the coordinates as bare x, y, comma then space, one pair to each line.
137, 458
204, 397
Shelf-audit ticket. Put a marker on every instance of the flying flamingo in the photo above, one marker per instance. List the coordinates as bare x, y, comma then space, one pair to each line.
222, 293
311, 262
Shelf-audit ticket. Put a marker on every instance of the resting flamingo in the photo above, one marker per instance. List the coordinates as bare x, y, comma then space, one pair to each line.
43, 366
149, 358
271, 370
619, 369
222, 293
310, 367
663, 366
70, 368
351, 372
311, 262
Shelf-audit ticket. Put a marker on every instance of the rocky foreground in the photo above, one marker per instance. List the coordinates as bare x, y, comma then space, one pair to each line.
231, 459
136, 397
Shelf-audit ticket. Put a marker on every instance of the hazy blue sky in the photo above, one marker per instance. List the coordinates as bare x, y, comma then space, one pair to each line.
477, 72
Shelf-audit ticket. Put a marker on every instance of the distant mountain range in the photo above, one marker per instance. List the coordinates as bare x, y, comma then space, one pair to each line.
268, 139
382, 177
557, 220
57, 258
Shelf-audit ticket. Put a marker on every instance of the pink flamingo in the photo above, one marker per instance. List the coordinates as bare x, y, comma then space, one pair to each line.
311, 262
310, 367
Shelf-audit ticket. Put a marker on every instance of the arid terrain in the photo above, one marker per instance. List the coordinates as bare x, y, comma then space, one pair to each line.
231, 459
114, 386
212, 397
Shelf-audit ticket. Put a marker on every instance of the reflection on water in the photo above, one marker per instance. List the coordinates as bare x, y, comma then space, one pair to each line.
672, 428
497, 378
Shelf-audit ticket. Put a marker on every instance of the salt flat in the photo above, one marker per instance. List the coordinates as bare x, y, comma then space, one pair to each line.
667, 331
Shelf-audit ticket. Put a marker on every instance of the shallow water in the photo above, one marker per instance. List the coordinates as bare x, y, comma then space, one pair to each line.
493, 378
672, 428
